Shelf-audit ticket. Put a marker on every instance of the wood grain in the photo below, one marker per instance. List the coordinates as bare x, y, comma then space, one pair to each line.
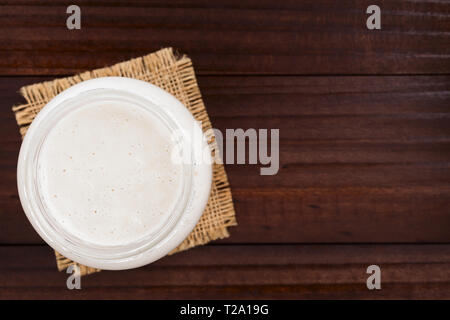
363, 159
229, 37
364, 119
242, 272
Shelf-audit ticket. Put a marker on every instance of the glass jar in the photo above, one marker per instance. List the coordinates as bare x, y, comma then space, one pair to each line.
196, 174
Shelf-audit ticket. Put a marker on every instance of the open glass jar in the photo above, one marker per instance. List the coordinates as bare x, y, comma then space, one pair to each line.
83, 239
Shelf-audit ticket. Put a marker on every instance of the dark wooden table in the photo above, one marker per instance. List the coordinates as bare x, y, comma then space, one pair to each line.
364, 119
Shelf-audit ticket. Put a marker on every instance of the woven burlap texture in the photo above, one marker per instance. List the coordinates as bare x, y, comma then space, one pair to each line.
175, 74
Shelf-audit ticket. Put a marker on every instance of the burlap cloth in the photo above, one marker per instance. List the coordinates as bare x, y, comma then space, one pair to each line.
175, 74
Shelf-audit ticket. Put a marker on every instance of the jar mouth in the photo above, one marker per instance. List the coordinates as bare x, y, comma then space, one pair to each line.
83, 250
85, 100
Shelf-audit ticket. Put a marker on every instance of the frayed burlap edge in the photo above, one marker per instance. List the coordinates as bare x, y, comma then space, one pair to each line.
175, 74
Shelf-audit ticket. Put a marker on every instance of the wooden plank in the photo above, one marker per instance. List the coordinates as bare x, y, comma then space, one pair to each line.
362, 159
229, 37
288, 271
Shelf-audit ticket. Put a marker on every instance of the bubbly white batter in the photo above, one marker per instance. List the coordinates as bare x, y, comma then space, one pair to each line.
106, 173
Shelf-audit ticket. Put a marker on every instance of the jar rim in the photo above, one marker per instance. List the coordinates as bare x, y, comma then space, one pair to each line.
148, 247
